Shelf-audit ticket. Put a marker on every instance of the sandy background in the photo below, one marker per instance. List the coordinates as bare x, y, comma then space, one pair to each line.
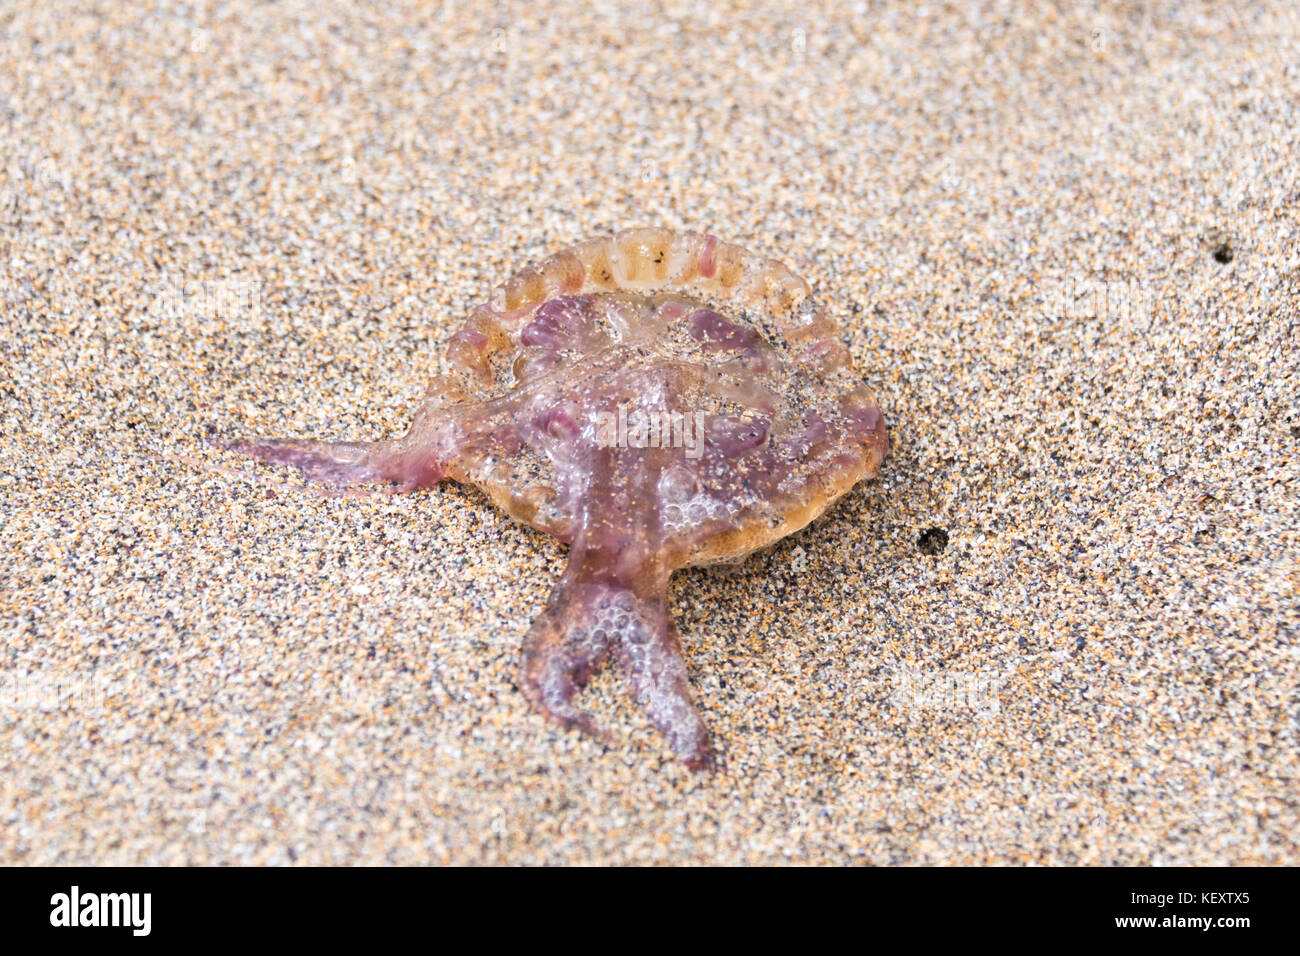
1062, 242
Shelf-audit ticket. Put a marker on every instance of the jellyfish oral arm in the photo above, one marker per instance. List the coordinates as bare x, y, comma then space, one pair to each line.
591, 615
613, 600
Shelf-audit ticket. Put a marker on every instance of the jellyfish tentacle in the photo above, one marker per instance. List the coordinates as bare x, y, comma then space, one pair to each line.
345, 463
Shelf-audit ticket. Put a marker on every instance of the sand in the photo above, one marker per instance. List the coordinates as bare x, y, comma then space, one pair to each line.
1062, 243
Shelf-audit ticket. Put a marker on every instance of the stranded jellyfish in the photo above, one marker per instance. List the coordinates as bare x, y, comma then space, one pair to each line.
653, 399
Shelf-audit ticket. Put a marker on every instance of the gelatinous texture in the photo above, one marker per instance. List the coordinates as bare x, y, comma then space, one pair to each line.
654, 399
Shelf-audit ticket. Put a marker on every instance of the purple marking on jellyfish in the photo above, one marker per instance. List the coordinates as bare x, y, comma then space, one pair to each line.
557, 423
733, 437
470, 337
559, 323
813, 434
715, 332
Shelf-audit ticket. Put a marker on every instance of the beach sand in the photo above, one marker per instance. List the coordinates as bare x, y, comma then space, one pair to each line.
1061, 241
